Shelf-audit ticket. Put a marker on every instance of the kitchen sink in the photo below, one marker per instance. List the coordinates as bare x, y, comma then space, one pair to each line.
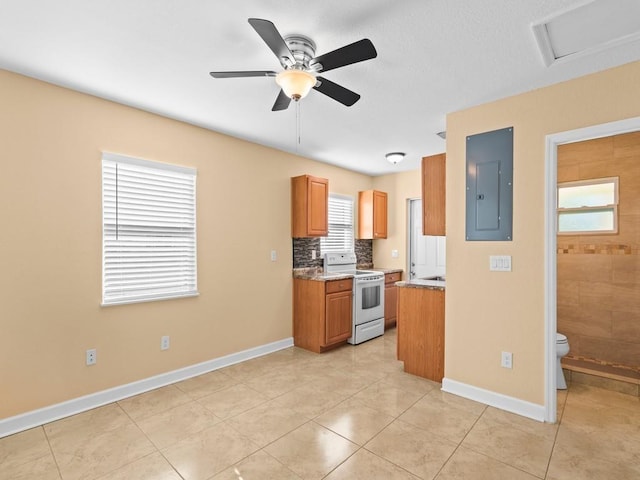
437, 278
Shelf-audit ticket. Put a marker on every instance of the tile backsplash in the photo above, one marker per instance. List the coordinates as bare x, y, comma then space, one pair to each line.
302, 248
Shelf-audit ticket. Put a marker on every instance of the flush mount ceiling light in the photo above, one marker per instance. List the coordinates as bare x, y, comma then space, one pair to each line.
296, 84
395, 157
588, 29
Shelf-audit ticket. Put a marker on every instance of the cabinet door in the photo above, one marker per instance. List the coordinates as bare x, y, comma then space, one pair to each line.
433, 195
372, 214
390, 305
309, 206
379, 214
318, 200
338, 311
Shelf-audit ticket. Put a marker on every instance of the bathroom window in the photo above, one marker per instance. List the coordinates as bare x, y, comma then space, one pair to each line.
340, 238
148, 230
588, 206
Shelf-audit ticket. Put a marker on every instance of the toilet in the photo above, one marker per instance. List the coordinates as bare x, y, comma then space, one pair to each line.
562, 349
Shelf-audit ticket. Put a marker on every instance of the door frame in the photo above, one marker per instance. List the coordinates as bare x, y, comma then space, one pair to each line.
409, 234
550, 251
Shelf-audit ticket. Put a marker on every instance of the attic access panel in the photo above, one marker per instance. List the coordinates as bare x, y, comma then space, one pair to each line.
489, 202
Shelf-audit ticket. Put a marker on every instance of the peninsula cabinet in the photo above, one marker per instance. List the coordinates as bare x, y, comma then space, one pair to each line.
433, 195
420, 331
309, 206
390, 298
321, 313
372, 214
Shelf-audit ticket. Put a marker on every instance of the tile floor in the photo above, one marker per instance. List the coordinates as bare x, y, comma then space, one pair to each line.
347, 414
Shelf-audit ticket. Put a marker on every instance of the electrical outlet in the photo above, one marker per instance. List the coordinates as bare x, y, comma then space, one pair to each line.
274, 255
164, 343
92, 355
507, 360
313, 254
394, 254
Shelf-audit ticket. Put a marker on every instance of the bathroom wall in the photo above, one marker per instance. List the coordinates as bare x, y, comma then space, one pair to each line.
599, 275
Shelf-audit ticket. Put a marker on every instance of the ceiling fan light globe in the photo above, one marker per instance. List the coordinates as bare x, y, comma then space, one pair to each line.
296, 84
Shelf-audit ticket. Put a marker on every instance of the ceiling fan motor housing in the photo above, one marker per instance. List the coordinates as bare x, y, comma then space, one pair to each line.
303, 50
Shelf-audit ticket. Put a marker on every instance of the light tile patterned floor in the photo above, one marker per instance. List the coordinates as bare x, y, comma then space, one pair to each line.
348, 414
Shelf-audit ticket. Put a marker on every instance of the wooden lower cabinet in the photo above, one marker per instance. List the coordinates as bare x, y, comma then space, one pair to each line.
391, 298
421, 331
322, 313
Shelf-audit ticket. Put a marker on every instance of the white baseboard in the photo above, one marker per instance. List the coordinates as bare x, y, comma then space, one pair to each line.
498, 400
48, 414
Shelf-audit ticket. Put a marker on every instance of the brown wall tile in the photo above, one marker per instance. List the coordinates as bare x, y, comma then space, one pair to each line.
627, 145
626, 325
614, 351
626, 269
588, 151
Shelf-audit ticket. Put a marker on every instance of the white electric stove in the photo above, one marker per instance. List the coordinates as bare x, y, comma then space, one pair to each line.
368, 296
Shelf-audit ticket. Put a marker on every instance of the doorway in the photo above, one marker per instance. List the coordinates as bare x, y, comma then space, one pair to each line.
427, 254
551, 165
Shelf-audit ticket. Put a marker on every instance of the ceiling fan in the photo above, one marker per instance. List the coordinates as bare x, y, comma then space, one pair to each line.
296, 54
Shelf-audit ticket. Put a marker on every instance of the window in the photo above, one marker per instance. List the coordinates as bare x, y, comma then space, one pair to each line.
148, 230
340, 238
588, 206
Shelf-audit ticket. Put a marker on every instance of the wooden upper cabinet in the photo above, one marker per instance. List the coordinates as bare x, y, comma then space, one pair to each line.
433, 195
309, 206
372, 214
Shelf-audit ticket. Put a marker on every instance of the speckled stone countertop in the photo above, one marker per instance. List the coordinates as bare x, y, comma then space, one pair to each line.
388, 270
420, 283
317, 273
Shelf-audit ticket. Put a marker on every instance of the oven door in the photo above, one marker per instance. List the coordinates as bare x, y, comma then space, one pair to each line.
368, 299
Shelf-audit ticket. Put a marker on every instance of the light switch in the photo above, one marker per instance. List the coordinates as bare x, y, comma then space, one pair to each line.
500, 263
274, 255
394, 254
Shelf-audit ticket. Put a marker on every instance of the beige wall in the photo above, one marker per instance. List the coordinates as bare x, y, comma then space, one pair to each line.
488, 312
599, 275
50, 247
400, 187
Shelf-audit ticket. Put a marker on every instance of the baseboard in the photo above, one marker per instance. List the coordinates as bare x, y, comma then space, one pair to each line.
498, 400
51, 413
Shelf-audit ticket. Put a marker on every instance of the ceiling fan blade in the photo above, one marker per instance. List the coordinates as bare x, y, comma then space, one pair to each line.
352, 53
282, 102
269, 33
337, 92
254, 73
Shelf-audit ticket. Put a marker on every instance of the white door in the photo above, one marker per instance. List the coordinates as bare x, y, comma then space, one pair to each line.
427, 253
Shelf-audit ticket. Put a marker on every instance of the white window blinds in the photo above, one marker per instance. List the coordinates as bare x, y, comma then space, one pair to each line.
148, 230
340, 236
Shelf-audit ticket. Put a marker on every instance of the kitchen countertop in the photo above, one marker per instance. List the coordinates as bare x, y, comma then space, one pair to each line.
317, 273
388, 270
420, 283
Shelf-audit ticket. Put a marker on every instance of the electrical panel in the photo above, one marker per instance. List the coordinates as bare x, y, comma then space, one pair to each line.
489, 203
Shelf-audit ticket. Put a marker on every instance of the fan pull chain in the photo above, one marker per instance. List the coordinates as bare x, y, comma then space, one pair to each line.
297, 125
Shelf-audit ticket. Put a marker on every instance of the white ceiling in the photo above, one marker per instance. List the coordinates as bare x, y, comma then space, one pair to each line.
434, 57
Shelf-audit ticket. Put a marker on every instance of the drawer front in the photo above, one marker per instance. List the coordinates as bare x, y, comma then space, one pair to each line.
392, 277
334, 286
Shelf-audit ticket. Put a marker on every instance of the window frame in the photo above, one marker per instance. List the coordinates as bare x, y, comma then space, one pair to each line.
324, 240
171, 232
613, 208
